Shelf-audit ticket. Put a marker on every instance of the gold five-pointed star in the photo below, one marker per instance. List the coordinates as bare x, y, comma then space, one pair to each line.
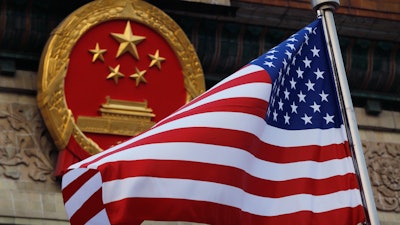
156, 59
139, 76
128, 41
115, 74
97, 53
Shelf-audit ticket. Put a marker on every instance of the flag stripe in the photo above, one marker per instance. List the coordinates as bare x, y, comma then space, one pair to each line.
99, 218
92, 207
230, 176
252, 91
80, 196
255, 74
73, 175
211, 213
247, 74
245, 86
150, 187
84, 193
71, 184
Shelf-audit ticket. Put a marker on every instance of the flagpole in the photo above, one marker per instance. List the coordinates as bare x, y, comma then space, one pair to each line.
326, 8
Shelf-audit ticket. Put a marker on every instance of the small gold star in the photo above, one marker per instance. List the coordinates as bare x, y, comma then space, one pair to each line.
115, 74
139, 76
128, 41
156, 59
97, 53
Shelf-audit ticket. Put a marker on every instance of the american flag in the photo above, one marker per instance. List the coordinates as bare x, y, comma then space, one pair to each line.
266, 145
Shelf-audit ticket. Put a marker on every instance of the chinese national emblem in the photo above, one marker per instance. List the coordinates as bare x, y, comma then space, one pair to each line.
110, 71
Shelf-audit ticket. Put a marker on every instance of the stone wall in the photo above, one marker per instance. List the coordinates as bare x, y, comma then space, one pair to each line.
29, 194
380, 137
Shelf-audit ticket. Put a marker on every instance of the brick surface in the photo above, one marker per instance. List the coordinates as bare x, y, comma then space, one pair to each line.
386, 9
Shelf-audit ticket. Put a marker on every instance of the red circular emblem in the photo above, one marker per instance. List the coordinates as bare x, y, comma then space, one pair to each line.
111, 70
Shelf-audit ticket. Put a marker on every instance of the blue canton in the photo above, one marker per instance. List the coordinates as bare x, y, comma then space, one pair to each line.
303, 92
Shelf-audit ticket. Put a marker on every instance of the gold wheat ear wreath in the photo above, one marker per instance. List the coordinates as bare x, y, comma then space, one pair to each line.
111, 70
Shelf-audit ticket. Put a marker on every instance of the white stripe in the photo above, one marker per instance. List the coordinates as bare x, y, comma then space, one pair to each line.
233, 157
149, 187
254, 125
71, 176
99, 218
241, 72
252, 90
83, 194
293, 138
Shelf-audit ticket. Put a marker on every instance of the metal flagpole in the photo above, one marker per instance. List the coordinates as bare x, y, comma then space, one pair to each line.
326, 8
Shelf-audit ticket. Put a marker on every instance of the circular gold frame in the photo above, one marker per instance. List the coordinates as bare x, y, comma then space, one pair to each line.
55, 57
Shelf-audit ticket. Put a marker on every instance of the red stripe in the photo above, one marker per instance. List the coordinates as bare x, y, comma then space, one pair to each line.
252, 77
136, 210
226, 175
89, 209
74, 186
